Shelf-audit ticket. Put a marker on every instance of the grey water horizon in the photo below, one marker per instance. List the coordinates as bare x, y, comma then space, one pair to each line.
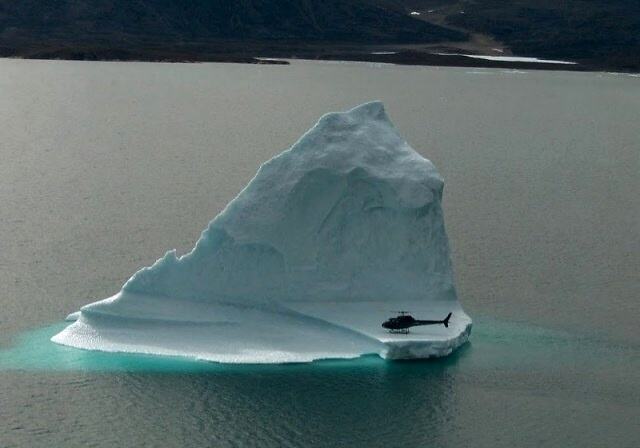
107, 165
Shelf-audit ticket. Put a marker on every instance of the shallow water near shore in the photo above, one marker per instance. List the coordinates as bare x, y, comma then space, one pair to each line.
105, 166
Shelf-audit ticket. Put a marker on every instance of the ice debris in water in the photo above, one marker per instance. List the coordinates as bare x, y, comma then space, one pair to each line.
326, 242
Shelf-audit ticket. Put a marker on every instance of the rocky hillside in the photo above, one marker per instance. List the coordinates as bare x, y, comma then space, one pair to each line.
187, 20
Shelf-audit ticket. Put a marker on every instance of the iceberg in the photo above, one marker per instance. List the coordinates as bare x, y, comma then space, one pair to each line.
327, 241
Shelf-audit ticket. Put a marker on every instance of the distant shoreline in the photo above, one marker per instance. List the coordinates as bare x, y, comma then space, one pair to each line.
400, 56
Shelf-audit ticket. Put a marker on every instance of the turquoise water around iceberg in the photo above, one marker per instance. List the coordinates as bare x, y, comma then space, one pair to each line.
495, 344
513, 385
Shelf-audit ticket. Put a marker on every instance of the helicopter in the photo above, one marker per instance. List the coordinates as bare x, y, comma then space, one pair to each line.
404, 321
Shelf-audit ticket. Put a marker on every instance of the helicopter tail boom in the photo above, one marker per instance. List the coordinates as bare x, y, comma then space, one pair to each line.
444, 322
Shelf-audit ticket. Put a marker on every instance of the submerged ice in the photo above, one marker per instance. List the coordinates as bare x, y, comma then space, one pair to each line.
328, 239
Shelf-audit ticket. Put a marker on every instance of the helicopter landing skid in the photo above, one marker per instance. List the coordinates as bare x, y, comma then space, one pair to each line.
401, 331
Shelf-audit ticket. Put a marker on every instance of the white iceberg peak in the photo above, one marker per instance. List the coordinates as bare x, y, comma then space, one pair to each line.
305, 262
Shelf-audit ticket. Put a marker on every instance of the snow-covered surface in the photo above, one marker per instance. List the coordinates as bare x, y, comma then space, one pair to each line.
327, 241
509, 58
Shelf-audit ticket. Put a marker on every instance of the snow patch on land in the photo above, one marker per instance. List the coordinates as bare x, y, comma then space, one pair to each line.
509, 58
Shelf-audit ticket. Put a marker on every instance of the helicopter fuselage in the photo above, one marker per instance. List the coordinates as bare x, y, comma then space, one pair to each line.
402, 323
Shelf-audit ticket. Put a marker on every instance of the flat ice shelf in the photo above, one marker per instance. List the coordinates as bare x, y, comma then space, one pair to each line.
366, 317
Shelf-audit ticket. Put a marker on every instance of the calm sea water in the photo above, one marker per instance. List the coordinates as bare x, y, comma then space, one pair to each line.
104, 166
